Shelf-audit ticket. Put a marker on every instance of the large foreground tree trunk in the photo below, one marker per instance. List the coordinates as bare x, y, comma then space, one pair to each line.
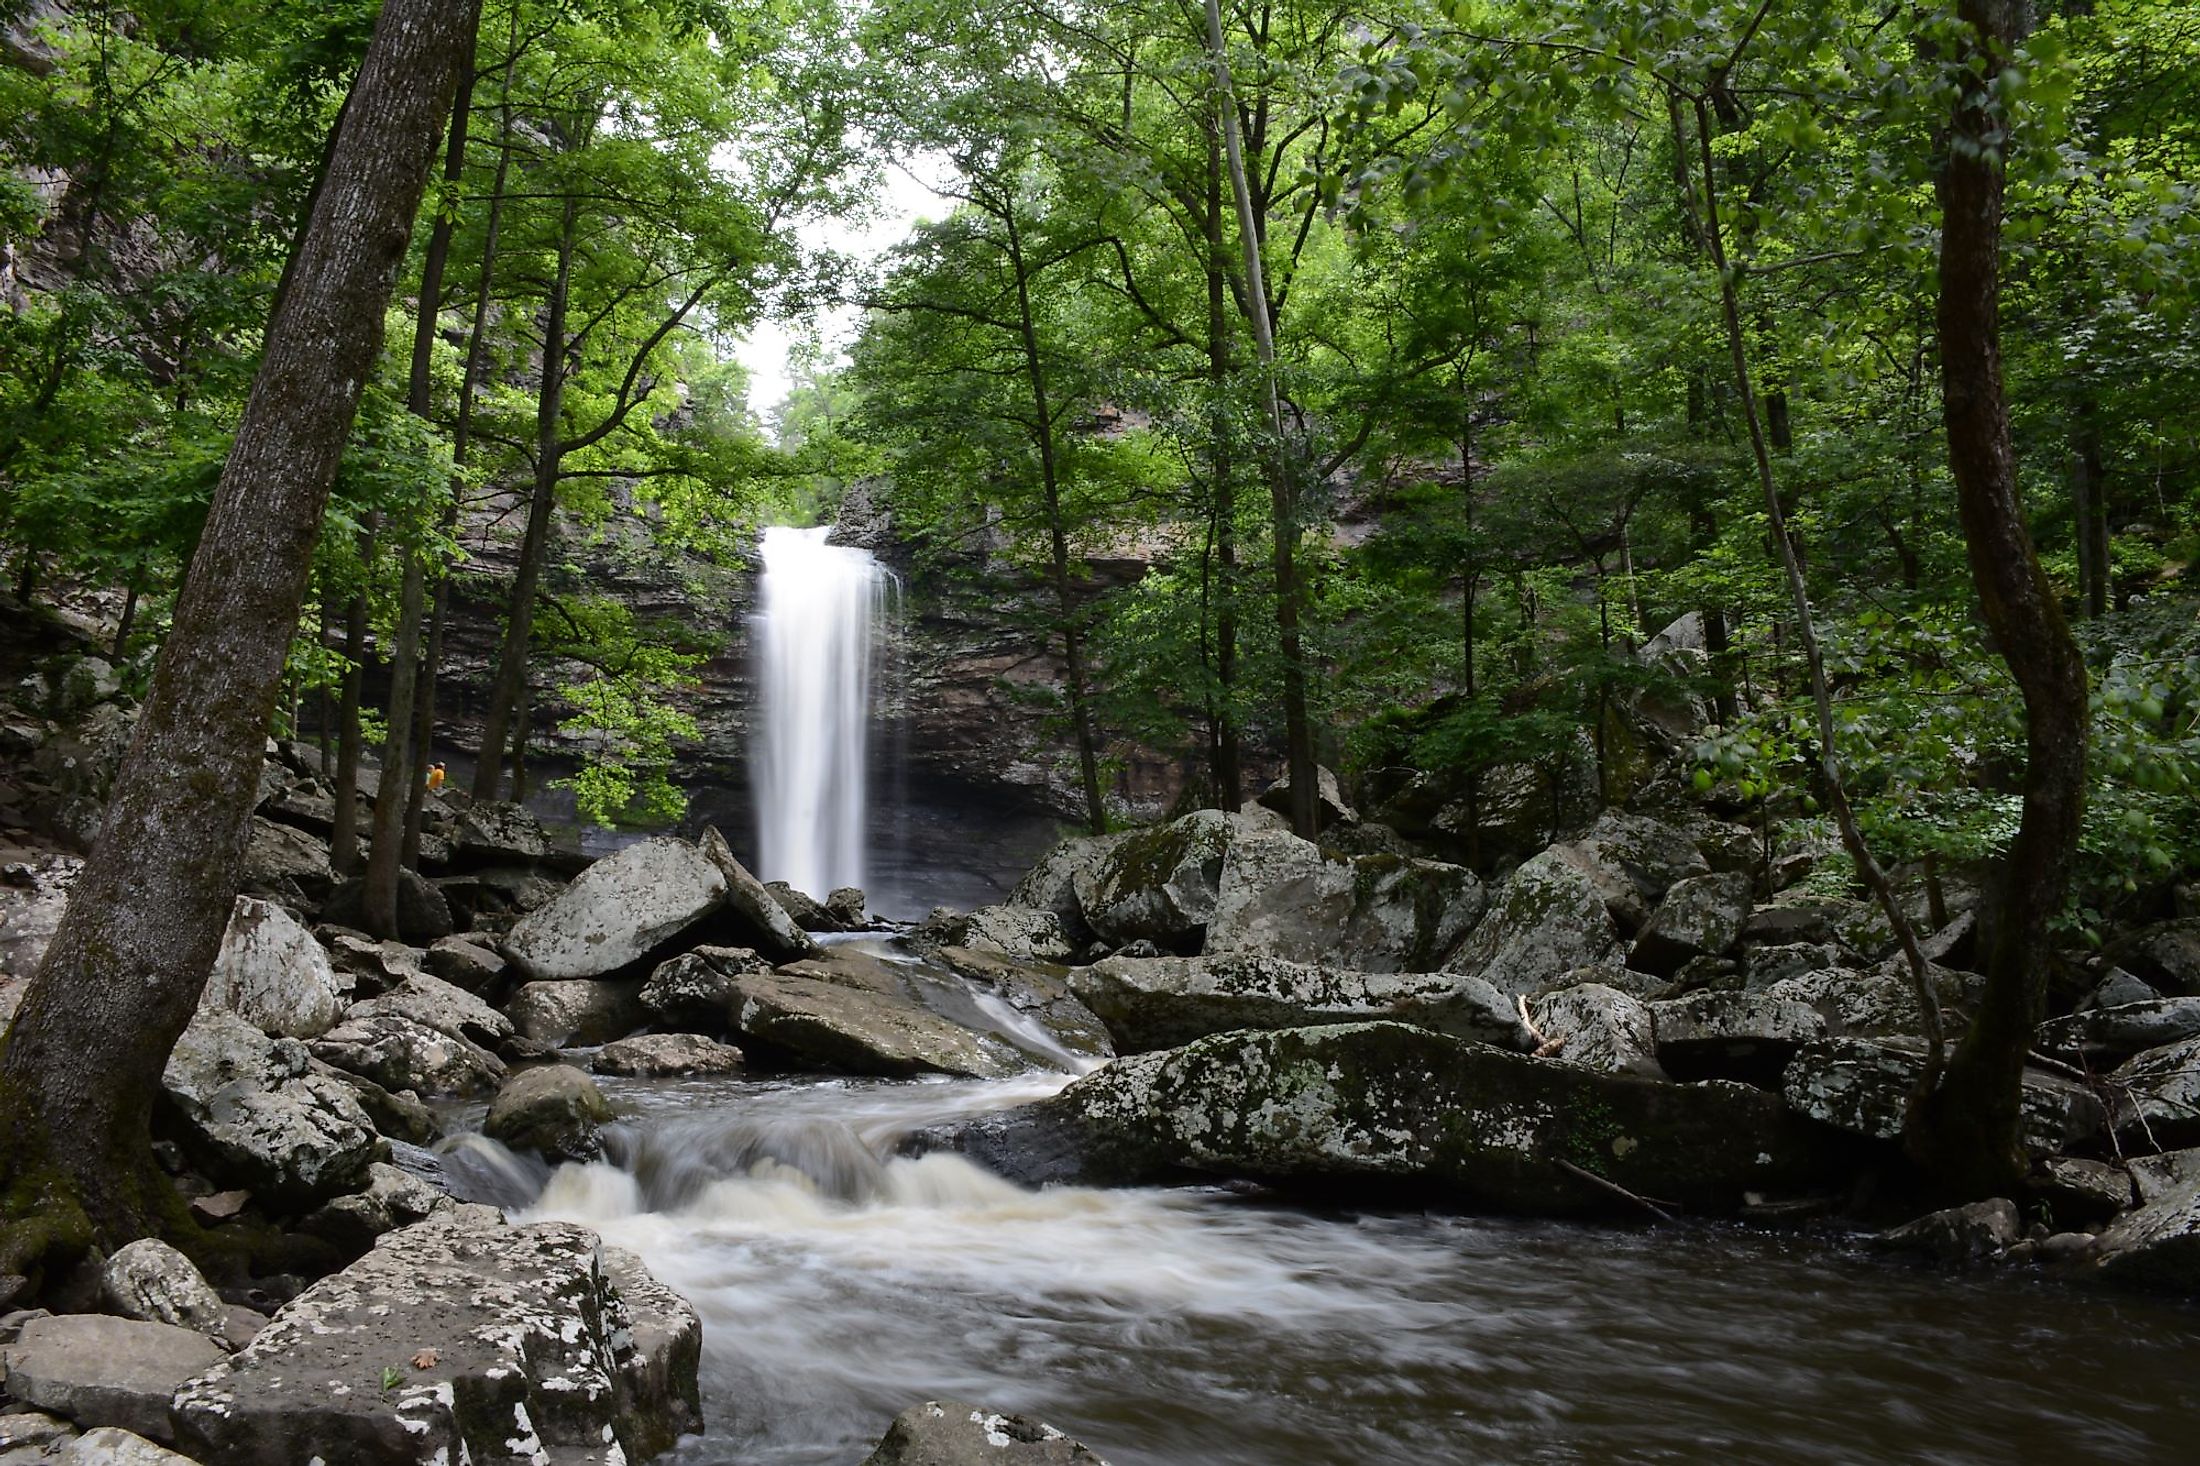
126, 968
1968, 1136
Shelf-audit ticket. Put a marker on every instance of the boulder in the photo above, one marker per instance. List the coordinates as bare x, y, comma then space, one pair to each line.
401, 1115
464, 962
949, 1433
1597, 1027
96, 1370
807, 911
577, 1013
1053, 883
664, 1055
112, 1446
1544, 921
255, 1115
830, 1025
439, 1005
1329, 806
2116, 1033
2156, 1245
554, 1110
391, 1199
460, 1338
1699, 917
1864, 1088
1017, 931
151, 1282
276, 853
400, 1052
1978, 1232
620, 910
1281, 896
1746, 1036
694, 992
1152, 1003
759, 920
33, 897
1877, 1002
2157, 1095
1631, 860
498, 834
1070, 1035
273, 974
1388, 1103
1821, 919
2116, 989
845, 903
1158, 885
522, 888
2156, 1176
1762, 966
373, 967
2078, 1192
423, 911
2167, 955
28, 1437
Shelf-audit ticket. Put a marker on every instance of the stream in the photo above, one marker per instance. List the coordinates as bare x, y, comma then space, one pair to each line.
1201, 1327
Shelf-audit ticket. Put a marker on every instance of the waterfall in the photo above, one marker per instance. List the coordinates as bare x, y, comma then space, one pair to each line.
813, 638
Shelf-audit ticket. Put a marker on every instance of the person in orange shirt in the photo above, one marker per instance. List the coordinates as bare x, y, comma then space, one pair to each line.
435, 777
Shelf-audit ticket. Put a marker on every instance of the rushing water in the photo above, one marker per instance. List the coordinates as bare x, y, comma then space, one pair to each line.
1197, 1327
813, 639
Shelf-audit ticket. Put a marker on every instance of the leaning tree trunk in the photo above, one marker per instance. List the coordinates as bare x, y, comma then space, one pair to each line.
1229, 777
1968, 1138
125, 971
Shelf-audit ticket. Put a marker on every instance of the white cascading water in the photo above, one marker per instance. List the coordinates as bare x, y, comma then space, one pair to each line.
813, 638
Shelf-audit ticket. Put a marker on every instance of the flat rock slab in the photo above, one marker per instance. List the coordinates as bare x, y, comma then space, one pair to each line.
951, 1433
862, 1031
96, 1370
460, 1338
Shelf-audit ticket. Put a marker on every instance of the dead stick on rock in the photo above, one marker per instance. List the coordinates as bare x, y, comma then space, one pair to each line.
1616, 1189
1545, 1046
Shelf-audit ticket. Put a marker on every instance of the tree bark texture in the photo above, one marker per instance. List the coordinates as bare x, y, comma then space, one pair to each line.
125, 971
1969, 1141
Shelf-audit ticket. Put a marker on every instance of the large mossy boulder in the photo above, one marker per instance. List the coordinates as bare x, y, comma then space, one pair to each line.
1864, 1087
621, 910
1700, 917
1281, 896
1159, 885
1546, 920
460, 1338
1052, 885
1161, 1002
399, 1052
694, 992
555, 1111
1632, 860
1392, 1104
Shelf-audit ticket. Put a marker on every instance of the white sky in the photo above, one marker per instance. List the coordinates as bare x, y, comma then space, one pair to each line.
904, 199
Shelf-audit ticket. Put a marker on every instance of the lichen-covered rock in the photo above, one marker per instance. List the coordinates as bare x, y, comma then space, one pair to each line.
277, 853
1598, 1027
1161, 1002
619, 911
1387, 1102
151, 1282
1762, 966
857, 1030
112, 1446
498, 834
460, 1338
666, 1055
2166, 955
1864, 1088
1075, 1036
555, 1111
805, 910
2118, 1032
1546, 920
1975, 1233
96, 1370
1281, 896
950, 1433
1820, 919
577, 1013
1877, 1002
466, 963
273, 974
1017, 931
391, 1199
1744, 1035
33, 897
1158, 885
846, 903
400, 1052
1052, 884
1632, 860
694, 992
255, 1114
763, 923
2157, 1094
439, 1005
2156, 1245
1699, 917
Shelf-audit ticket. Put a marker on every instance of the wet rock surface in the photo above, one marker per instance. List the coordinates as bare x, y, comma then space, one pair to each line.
950, 1433
619, 911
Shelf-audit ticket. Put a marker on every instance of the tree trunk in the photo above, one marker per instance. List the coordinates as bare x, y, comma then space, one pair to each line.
1968, 1141
1229, 764
344, 838
1298, 726
509, 688
126, 968
400, 766
2089, 506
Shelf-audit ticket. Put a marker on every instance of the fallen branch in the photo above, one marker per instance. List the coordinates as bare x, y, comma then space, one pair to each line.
1616, 1189
1545, 1046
